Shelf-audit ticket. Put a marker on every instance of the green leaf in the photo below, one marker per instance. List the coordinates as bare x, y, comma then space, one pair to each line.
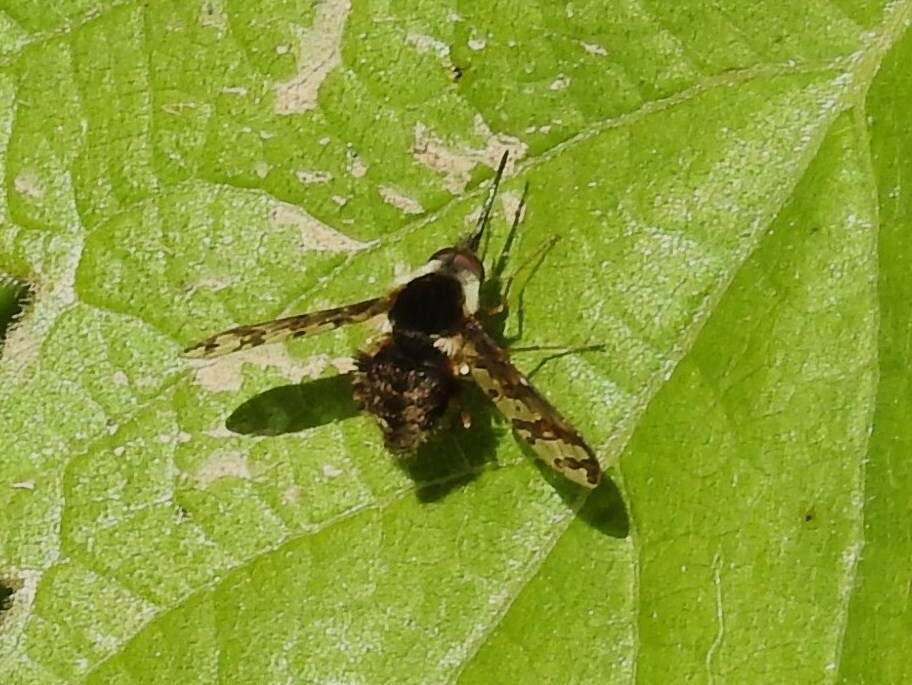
727, 183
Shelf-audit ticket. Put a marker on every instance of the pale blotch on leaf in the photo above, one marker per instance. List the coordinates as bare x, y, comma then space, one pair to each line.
178, 108
179, 438
344, 365
212, 283
222, 464
291, 495
220, 432
27, 183
510, 201
213, 15
425, 44
560, 83
331, 471
594, 49
315, 235
319, 52
224, 374
428, 44
476, 43
313, 177
406, 204
356, 166
455, 162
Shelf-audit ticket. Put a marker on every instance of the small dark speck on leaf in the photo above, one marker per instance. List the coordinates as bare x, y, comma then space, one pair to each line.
809, 515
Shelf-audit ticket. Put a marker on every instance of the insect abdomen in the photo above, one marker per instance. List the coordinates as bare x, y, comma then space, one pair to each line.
407, 385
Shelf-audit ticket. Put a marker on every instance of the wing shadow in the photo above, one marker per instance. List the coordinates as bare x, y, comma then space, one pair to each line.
293, 408
604, 508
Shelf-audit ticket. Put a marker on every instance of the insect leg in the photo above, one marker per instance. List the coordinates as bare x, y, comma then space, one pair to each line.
532, 264
559, 351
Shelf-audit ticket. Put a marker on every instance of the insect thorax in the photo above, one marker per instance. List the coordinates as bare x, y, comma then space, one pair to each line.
431, 304
407, 385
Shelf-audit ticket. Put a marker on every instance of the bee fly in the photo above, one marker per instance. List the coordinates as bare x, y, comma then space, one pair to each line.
408, 378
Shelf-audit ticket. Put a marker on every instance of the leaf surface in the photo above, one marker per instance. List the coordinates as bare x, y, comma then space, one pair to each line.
726, 181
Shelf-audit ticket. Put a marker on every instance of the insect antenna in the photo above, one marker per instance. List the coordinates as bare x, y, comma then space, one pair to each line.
474, 239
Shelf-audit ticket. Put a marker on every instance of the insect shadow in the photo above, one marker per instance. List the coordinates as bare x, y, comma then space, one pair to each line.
451, 459
604, 508
454, 458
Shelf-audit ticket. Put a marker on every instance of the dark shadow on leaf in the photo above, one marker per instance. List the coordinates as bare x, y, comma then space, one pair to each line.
604, 508
9, 586
567, 352
293, 408
455, 456
606, 511
14, 298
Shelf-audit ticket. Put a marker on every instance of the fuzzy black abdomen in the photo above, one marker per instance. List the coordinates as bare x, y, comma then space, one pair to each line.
407, 385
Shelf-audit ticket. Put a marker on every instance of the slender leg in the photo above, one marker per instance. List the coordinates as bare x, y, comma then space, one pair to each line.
496, 293
564, 352
533, 263
563, 349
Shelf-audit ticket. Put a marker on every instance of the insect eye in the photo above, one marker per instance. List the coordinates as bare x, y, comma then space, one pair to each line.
444, 255
469, 262
455, 259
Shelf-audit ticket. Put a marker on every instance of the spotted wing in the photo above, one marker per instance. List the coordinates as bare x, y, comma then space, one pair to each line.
244, 337
534, 419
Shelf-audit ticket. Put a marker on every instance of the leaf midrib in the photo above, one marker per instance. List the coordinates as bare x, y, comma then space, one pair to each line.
893, 28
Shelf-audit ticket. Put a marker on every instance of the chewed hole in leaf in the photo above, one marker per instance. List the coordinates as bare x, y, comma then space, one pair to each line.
14, 297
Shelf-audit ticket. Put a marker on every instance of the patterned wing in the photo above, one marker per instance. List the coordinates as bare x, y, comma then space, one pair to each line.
244, 337
534, 419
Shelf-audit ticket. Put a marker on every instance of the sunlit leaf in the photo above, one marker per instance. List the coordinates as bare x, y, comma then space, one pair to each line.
727, 183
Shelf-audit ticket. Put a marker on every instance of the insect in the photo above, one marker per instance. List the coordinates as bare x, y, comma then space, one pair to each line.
408, 378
